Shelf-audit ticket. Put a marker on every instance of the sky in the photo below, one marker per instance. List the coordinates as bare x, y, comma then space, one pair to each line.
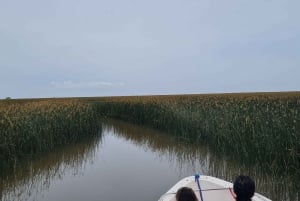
79, 48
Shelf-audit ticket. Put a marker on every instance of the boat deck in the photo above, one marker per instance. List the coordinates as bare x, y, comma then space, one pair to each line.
213, 189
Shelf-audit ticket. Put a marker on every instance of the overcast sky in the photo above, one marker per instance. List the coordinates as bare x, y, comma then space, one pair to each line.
66, 48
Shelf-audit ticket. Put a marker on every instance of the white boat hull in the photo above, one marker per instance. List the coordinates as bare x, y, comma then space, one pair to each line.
213, 189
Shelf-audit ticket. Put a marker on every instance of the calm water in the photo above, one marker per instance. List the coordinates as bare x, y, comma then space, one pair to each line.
126, 163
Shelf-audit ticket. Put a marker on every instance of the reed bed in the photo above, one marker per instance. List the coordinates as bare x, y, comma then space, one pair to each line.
37, 126
258, 129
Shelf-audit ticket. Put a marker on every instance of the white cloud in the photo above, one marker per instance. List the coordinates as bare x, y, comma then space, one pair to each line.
89, 84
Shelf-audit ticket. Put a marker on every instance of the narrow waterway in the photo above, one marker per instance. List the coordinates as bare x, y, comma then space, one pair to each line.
127, 163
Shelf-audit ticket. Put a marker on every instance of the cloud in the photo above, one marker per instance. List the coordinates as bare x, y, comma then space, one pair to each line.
81, 85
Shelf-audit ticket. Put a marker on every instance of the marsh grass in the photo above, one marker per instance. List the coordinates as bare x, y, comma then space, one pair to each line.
258, 129
37, 126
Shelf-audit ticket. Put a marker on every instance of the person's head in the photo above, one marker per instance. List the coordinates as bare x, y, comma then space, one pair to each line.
244, 188
186, 194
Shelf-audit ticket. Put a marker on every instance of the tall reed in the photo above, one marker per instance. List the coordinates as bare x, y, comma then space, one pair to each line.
258, 128
37, 126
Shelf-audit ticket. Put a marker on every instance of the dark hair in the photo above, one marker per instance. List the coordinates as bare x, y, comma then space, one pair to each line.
244, 188
186, 194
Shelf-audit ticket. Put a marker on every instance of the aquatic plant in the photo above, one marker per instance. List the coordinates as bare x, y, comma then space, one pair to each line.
255, 128
35, 126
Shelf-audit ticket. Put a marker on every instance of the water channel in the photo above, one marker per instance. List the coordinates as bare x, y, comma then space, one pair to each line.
127, 162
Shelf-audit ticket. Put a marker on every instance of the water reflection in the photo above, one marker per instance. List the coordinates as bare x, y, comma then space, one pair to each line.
192, 158
129, 162
32, 178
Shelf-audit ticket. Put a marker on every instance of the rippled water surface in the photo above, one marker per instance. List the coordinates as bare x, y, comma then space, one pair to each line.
127, 163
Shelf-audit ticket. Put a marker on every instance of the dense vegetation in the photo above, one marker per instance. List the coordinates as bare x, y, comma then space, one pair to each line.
29, 127
260, 128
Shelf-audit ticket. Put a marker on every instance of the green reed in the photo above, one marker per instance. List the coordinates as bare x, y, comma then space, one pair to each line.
37, 126
258, 128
